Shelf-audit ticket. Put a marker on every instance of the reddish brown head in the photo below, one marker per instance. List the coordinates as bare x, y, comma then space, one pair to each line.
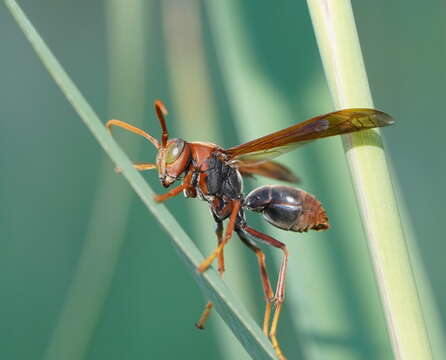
173, 156
172, 160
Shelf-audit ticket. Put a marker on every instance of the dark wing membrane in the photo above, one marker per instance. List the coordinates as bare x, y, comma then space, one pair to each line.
334, 123
270, 169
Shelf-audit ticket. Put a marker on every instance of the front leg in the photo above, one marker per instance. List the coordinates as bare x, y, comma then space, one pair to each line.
186, 185
171, 193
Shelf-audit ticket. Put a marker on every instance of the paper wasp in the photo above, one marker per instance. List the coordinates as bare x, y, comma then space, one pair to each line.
215, 175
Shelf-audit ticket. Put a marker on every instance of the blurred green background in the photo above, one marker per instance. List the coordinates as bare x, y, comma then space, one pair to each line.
85, 270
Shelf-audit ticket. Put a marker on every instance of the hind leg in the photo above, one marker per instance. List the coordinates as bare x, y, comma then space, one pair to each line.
267, 289
279, 295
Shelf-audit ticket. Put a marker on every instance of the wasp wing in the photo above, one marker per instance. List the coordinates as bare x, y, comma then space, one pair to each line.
334, 123
266, 168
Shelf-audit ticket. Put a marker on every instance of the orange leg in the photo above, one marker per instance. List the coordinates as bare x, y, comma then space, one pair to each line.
220, 257
272, 333
140, 167
218, 253
144, 166
229, 230
267, 289
279, 296
174, 192
186, 185
204, 316
221, 268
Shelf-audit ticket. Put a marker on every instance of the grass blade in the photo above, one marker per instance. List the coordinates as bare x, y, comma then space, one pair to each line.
230, 309
339, 46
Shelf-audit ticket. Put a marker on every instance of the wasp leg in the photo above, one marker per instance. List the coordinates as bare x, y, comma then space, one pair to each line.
171, 193
279, 296
220, 256
221, 268
229, 230
267, 289
139, 167
204, 316
186, 185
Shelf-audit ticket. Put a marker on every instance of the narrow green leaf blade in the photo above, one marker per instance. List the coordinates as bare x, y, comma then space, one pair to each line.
228, 306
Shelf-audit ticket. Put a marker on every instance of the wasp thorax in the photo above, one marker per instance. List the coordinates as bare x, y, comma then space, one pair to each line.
287, 208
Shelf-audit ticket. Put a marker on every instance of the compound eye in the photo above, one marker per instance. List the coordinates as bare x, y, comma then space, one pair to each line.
174, 150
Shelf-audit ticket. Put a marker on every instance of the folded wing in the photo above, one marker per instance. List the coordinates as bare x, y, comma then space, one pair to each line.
334, 123
266, 168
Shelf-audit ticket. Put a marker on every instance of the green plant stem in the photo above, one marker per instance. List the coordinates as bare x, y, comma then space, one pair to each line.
339, 46
431, 310
329, 323
228, 306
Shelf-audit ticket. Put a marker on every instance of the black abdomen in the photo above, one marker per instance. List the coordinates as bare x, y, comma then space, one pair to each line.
287, 208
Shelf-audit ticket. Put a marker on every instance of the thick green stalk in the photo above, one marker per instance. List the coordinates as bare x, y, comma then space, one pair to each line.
339, 46
431, 311
228, 306
325, 318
